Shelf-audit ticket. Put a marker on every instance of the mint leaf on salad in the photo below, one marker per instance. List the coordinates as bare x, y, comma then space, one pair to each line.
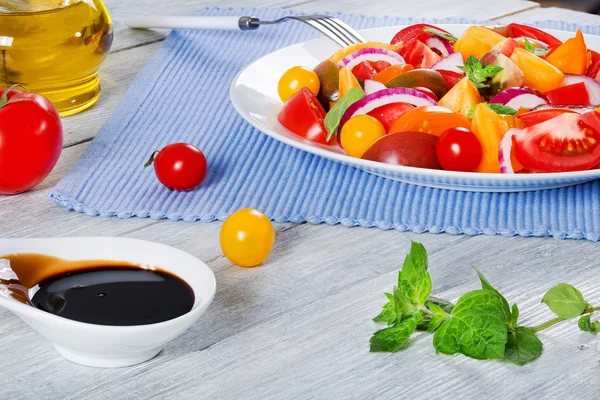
444, 35
334, 116
497, 108
481, 325
535, 50
478, 73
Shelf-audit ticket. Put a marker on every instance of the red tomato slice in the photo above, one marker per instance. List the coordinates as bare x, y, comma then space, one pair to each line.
594, 67
518, 30
569, 142
389, 113
451, 77
304, 115
576, 95
532, 118
379, 65
418, 54
364, 71
414, 32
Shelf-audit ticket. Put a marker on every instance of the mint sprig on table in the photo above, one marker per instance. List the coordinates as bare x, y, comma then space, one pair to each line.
482, 324
478, 73
334, 116
535, 50
497, 108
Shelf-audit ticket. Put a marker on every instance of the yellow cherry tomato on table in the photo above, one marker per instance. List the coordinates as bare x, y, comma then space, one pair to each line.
294, 79
359, 133
247, 237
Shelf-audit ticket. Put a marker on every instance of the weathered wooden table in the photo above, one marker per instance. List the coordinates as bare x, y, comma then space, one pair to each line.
299, 327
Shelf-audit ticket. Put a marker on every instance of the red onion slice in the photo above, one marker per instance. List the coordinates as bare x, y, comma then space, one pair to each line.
370, 54
517, 98
372, 86
450, 63
443, 46
505, 151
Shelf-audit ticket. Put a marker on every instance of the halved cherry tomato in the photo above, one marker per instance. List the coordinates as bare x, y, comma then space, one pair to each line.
518, 30
414, 32
364, 71
294, 79
434, 120
418, 54
569, 142
391, 72
576, 95
304, 115
594, 67
458, 149
451, 77
532, 118
389, 113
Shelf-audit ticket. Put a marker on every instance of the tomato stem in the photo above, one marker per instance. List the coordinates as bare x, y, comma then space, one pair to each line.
151, 159
4, 99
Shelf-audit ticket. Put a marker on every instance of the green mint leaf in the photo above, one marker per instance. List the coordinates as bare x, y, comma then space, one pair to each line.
334, 116
535, 50
437, 310
387, 315
403, 307
389, 296
565, 301
486, 285
435, 323
514, 319
502, 110
586, 325
471, 112
478, 73
476, 327
529, 46
522, 346
414, 279
443, 304
595, 327
444, 35
393, 338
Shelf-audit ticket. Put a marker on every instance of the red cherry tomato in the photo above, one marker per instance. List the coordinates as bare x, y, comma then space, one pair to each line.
379, 65
458, 149
418, 54
364, 71
575, 95
389, 113
451, 77
304, 115
31, 139
569, 142
414, 31
180, 166
532, 118
518, 30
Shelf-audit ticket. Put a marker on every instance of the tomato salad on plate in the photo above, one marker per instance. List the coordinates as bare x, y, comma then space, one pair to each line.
510, 99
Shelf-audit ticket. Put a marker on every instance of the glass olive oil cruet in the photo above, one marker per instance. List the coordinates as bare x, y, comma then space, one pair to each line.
54, 48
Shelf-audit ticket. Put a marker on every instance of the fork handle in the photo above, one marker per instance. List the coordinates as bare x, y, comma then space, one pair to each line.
213, 23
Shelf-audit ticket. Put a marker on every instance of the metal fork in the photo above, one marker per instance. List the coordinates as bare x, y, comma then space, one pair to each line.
331, 27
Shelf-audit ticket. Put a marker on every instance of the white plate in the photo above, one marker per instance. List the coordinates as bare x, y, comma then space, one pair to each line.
254, 95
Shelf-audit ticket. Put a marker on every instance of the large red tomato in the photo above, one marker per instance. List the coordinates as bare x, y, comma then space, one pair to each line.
31, 138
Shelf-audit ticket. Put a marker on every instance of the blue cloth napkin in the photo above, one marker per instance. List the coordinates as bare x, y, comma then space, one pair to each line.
181, 95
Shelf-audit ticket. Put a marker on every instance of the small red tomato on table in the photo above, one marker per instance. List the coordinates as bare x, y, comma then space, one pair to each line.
31, 139
179, 166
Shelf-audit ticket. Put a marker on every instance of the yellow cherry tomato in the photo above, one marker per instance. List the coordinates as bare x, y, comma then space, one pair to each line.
359, 133
294, 79
247, 237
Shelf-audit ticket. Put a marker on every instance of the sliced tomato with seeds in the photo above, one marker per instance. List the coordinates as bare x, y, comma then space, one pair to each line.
575, 95
379, 65
304, 115
532, 118
569, 142
364, 71
415, 32
418, 54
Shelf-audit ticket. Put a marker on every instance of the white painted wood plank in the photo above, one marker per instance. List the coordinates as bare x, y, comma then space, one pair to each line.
554, 14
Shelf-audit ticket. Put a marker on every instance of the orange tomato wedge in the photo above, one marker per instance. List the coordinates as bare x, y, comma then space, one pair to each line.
338, 55
347, 81
490, 127
476, 41
462, 97
539, 74
434, 120
571, 57
391, 72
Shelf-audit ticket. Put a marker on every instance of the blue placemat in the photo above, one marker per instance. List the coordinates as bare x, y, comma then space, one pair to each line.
181, 95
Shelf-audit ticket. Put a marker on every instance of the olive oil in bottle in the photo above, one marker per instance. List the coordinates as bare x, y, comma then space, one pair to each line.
54, 48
